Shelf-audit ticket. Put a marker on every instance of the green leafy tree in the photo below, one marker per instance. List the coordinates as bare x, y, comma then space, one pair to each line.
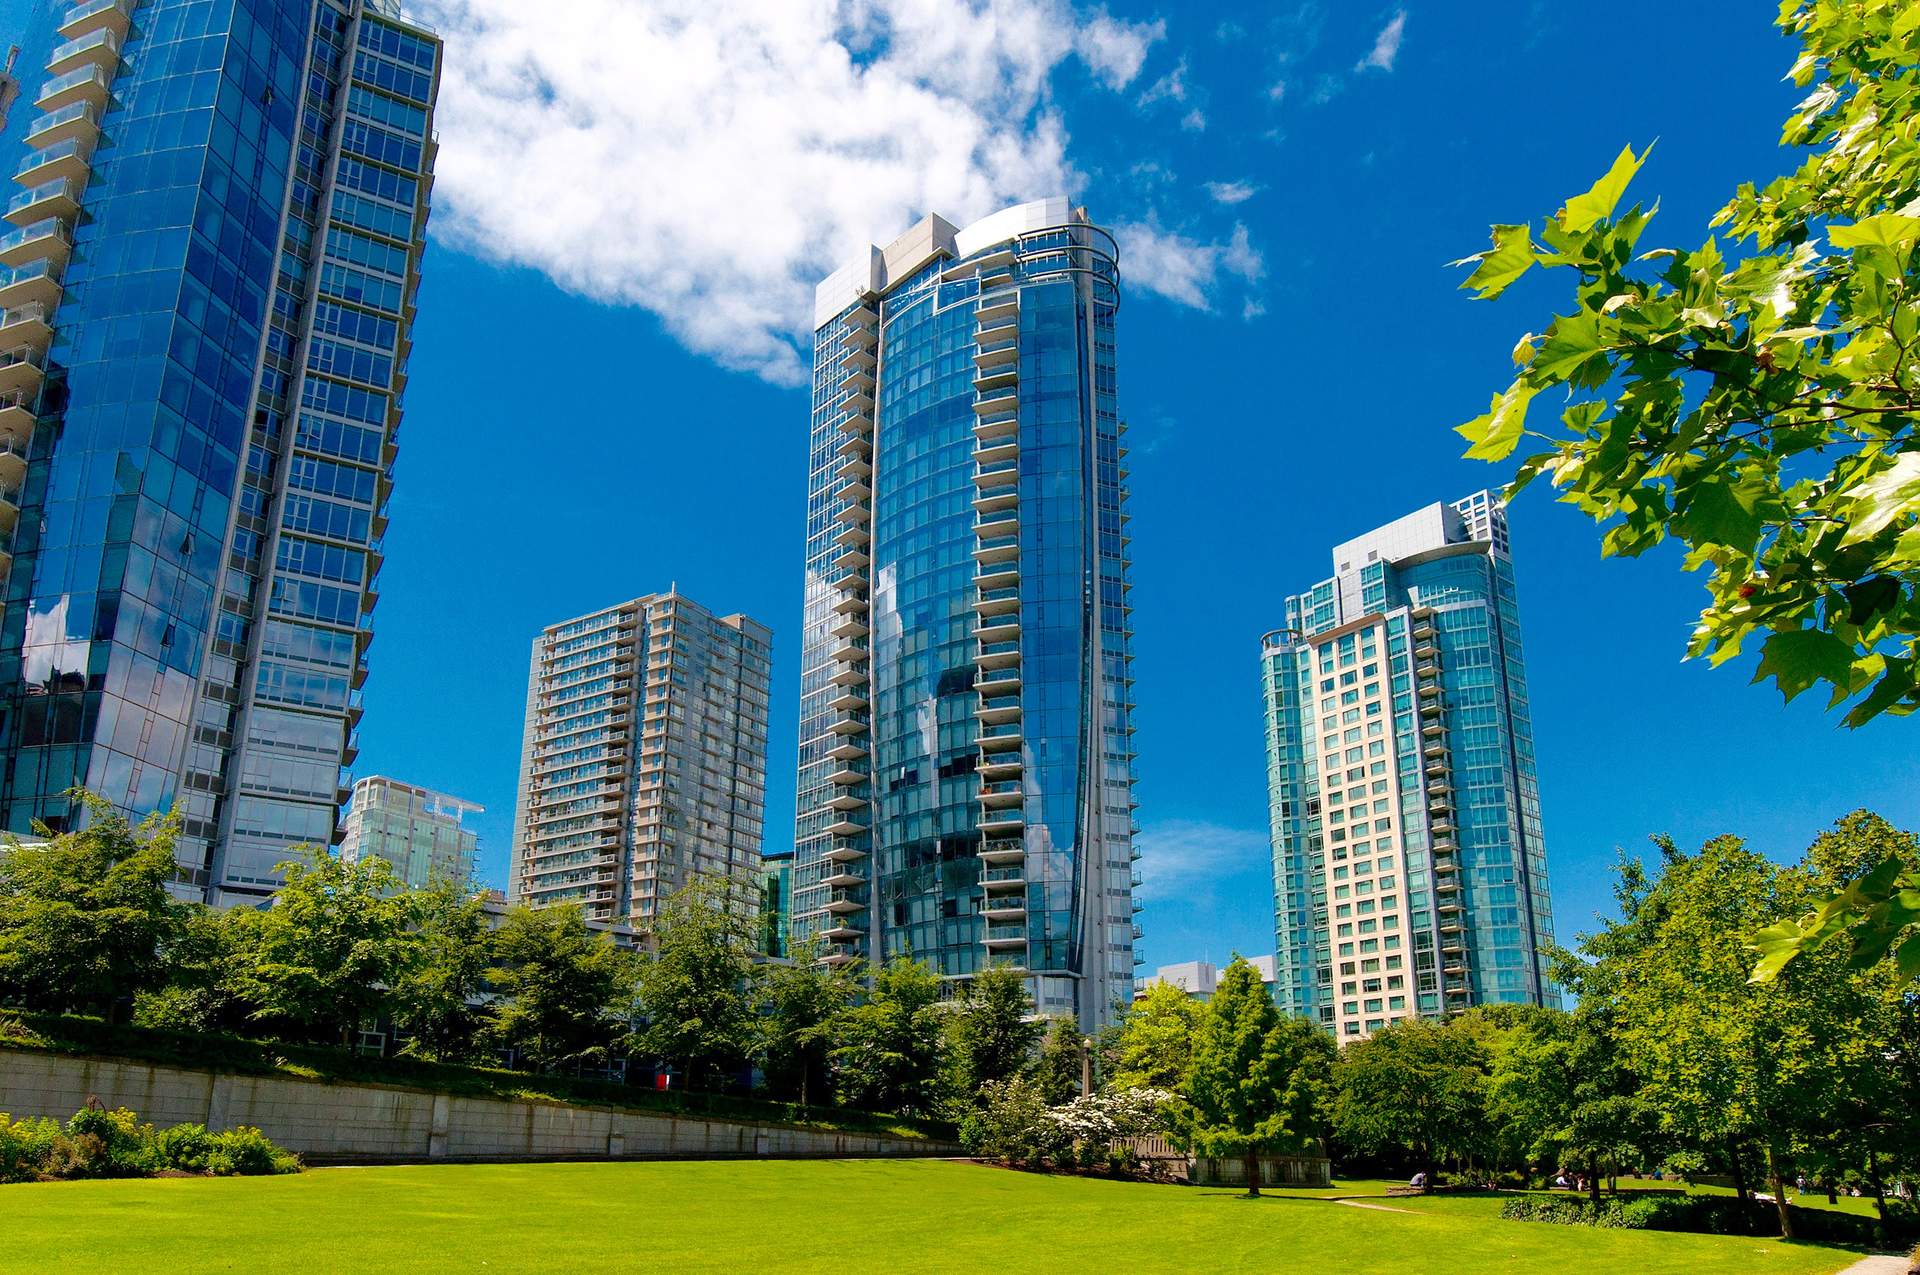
1415, 1086
1062, 1063
1728, 1063
438, 1003
1875, 908
1754, 398
801, 1004
892, 1046
994, 1032
326, 957
1259, 1081
1154, 1048
566, 993
204, 958
697, 988
85, 918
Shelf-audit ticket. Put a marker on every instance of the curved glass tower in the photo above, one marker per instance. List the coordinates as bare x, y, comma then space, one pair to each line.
219, 213
966, 766
1408, 869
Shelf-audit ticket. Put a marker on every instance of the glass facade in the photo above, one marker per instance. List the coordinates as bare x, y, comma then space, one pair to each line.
644, 759
965, 786
1409, 870
226, 201
418, 831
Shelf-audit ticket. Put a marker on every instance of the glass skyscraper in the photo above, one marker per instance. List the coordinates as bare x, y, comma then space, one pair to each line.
966, 758
418, 831
1409, 874
207, 300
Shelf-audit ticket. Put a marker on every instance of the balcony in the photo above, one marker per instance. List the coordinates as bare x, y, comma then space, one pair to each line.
1432, 730
855, 447
849, 625
1426, 651
847, 826
843, 902
58, 198
851, 558
850, 722
9, 508
1004, 907
96, 15
863, 318
843, 852
995, 312
997, 499
998, 522
20, 370
857, 424
1001, 795
993, 451
998, 708
858, 353
66, 161
46, 239
1001, 473
993, 767
1429, 690
851, 699
997, 425
850, 602
994, 654
1006, 400
841, 875
1004, 878
992, 577
850, 771
27, 325
89, 84
839, 954
999, 738
997, 680
997, 602
997, 549
844, 927
854, 536
994, 380
16, 415
999, 631
857, 380
1006, 934
848, 650
1003, 851
100, 47
1003, 352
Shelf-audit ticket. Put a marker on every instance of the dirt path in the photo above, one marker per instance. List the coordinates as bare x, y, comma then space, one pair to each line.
1352, 1203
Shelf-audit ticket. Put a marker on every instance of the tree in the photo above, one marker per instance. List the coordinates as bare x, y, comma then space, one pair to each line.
800, 1005
437, 1001
1728, 1063
85, 916
1415, 1086
1756, 398
1154, 1048
1876, 907
1259, 1081
697, 987
204, 960
994, 1033
1062, 1063
892, 1046
326, 956
566, 992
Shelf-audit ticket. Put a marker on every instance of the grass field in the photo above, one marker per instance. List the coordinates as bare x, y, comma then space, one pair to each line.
774, 1216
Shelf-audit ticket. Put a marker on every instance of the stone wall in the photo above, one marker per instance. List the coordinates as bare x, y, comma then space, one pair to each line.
1275, 1170
357, 1123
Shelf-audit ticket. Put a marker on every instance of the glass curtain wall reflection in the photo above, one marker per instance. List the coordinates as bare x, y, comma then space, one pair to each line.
221, 215
965, 786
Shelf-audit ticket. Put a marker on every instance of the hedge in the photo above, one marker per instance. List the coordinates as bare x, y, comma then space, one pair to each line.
1710, 1215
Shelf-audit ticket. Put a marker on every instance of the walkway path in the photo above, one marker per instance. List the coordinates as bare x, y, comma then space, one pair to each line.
1352, 1203
1894, 1265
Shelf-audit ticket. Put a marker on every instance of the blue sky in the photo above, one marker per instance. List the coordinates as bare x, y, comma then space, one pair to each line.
633, 206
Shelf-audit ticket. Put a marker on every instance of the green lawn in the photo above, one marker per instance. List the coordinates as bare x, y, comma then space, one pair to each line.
771, 1216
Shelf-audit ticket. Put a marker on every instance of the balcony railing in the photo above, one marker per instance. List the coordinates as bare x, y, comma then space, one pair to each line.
73, 147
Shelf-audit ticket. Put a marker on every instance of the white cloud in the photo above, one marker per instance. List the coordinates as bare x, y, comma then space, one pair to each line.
1231, 192
1277, 91
1171, 87
1386, 45
1185, 858
1183, 269
710, 160
1194, 121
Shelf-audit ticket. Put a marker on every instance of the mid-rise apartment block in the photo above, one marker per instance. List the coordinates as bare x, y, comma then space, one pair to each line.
420, 832
1200, 979
206, 299
965, 786
644, 759
1410, 875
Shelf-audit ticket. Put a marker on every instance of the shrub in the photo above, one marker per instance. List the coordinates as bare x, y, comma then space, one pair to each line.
1702, 1214
184, 1147
26, 1146
108, 1144
102, 1143
251, 1153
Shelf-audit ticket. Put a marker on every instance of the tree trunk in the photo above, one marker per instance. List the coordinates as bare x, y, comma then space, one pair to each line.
1253, 1170
1739, 1173
1780, 1194
1879, 1187
1593, 1179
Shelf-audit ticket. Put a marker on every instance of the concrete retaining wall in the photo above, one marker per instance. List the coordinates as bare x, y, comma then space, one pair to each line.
372, 1123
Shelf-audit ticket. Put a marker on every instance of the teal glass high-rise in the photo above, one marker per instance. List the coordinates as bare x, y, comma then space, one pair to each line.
966, 764
207, 299
1409, 873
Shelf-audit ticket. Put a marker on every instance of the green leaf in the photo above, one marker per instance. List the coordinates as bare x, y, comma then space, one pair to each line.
1572, 341
1583, 212
1875, 503
1512, 256
1907, 22
1495, 434
1798, 658
1882, 230
1868, 598
1893, 687
1717, 512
